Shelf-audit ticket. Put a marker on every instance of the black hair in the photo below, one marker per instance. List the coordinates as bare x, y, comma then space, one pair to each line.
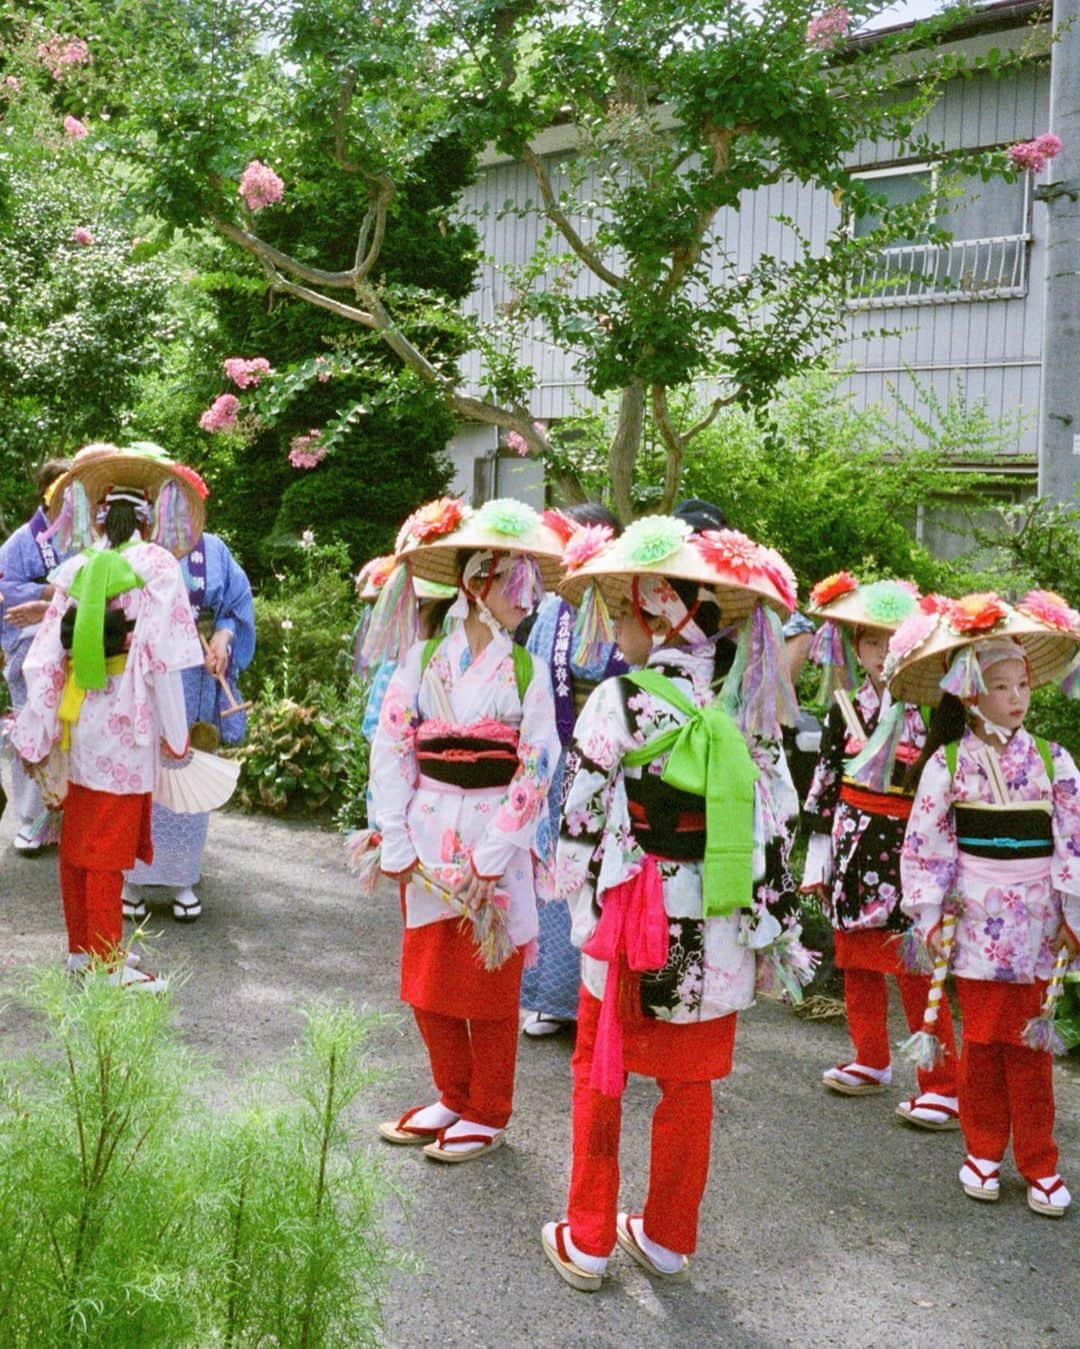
592, 513
946, 725
436, 615
120, 523
699, 514
48, 473
115, 629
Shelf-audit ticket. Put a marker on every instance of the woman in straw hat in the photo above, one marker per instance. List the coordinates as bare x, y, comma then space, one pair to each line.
104, 690
221, 604
991, 852
673, 858
857, 810
460, 769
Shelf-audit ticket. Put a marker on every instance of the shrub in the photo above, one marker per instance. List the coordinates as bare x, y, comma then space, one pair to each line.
134, 1214
293, 760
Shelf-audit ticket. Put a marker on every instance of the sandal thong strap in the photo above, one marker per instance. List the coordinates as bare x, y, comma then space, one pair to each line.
1048, 1190
485, 1139
917, 1103
983, 1176
560, 1243
403, 1125
853, 1071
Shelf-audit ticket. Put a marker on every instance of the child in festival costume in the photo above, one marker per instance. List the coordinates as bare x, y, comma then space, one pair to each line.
460, 770
104, 690
550, 987
673, 858
993, 843
858, 810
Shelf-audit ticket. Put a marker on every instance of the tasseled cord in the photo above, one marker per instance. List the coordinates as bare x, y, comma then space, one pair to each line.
594, 631
912, 954
1070, 685
172, 527
924, 1048
363, 849
873, 766
757, 692
524, 585
72, 531
834, 653
394, 625
1040, 1032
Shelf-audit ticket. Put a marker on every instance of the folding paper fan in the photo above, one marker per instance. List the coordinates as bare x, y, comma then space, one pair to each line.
202, 783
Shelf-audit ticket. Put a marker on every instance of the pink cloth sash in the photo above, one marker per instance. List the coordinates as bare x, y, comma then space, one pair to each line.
631, 936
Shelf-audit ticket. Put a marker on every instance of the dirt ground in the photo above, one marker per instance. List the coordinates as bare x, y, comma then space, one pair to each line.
827, 1221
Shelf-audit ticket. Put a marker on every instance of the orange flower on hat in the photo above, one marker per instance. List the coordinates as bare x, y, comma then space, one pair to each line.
376, 573
934, 603
975, 613
832, 587
431, 521
1050, 609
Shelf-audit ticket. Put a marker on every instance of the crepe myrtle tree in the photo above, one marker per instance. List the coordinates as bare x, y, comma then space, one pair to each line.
675, 109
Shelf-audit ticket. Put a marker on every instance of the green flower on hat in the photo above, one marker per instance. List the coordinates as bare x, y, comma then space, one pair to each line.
888, 601
654, 538
507, 516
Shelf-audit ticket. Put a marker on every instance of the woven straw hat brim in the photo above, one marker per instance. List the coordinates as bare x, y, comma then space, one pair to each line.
1050, 653
127, 470
438, 560
614, 579
850, 609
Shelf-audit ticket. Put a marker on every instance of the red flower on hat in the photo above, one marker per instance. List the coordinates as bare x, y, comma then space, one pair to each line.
193, 479
729, 551
832, 587
376, 573
1047, 607
560, 524
975, 613
934, 603
431, 521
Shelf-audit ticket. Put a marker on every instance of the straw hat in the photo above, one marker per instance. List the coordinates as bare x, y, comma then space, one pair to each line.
738, 571
101, 470
374, 575
431, 538
882, 605
923, 647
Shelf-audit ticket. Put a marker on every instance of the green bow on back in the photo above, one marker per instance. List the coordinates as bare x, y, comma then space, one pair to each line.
105, 574
709, 758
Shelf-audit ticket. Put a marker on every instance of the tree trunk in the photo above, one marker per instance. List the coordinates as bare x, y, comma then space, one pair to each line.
624, 447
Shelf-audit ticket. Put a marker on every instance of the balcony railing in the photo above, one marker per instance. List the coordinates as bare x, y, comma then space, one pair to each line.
964, 270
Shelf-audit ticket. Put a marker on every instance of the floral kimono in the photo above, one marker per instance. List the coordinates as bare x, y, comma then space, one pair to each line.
710, 971
1009, 906
856, 835
505, 830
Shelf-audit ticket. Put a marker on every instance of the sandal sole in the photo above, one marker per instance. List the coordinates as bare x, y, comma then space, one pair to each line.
438, 1154
934, 1126
861, 1089
982, 1195
576, 1278
390, 1133
625, 1238
1046, 1210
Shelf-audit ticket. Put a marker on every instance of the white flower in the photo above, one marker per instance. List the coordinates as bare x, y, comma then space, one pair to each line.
287, 624
307, 539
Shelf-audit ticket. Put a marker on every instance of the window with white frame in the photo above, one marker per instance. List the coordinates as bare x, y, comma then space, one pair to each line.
986, 258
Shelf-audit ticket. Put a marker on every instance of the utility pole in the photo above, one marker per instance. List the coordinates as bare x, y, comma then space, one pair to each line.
1059, 432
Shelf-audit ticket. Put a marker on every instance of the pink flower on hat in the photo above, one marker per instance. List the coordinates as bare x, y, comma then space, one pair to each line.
1047, 607
584, 544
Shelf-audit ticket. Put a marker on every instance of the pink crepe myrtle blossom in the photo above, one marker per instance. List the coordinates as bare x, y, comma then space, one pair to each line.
12, 84
305, 451
62, 53
260, 186
1034, 154
516, 441
74, 129
82, 236
323, 369
826, 29
246, 372
221, 414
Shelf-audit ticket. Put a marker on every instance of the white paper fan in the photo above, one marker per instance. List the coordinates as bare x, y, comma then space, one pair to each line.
204, 783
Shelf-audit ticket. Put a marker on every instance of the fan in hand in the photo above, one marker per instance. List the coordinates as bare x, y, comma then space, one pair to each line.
195, 784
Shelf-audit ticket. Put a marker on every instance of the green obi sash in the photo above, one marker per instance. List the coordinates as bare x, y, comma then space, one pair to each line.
708, 757
105, 574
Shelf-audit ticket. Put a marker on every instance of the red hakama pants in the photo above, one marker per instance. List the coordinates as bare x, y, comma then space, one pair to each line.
467, 1016
101, 837
1004, 1086
866, 958
684, 1060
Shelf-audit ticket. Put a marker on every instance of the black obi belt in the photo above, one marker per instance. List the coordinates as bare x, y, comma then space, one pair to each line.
665, 821
1004, 835
467, 757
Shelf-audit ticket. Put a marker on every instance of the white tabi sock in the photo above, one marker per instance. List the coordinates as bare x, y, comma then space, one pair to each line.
464, 1126
668, 1262
435, 1116
591, 1264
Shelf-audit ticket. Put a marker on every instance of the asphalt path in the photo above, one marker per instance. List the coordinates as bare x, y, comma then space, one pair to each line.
826, 1222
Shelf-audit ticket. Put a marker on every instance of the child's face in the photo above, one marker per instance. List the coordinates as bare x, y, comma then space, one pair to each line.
507, 615
870, 653
630, 636
1008, 693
